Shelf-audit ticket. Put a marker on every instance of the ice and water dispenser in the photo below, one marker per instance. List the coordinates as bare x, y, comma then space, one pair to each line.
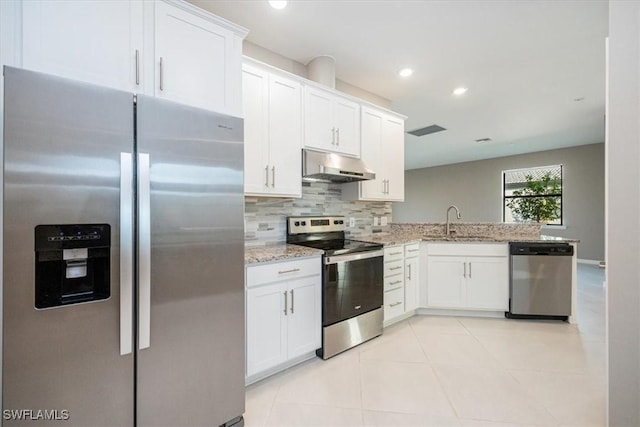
72, 264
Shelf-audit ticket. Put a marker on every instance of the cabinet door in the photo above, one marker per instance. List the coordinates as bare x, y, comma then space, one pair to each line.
304, 318
488, 283
371, 154
347, 123
285, 136
266, 328
255, 109
90, 41
393, 304
393, 149
446, 281
318, 118
195, 60
411, 280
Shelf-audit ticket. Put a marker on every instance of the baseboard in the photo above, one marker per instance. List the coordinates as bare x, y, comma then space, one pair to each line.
276, 369
588, 261
460, 312
400, 318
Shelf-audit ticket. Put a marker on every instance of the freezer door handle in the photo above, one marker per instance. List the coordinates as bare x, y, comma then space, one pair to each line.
126, 253
144, 252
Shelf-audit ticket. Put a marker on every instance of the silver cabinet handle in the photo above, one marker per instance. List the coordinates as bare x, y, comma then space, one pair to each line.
464, 264
293, 270
388, 186
266, 176
469, 270
384, 186
285, 302
333, 136
338, 134
409, 268
292, 303
144, 251
395, 303
137, 67
161, 75
273, 176
414, 250
126, 253
395, 268
396, 282
395, 253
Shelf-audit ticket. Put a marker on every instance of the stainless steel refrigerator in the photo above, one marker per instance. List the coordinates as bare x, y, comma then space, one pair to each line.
123, 258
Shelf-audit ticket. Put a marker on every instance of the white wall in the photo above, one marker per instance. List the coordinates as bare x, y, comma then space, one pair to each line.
476, 188
623, 214
269, 57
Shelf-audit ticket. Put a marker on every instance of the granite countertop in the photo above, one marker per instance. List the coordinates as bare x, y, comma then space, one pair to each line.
399, 234
389, 239
279, 252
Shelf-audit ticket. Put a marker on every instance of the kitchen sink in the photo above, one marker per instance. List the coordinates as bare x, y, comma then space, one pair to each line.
458, 237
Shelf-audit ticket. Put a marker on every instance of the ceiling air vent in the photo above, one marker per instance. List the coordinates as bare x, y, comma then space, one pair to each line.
426, 130
483, 140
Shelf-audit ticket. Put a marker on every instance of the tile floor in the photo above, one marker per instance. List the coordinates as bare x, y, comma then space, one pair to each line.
453, 371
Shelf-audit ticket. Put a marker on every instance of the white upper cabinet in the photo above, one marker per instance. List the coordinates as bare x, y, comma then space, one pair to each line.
170, 49
332, 122
92, 41
272, 108
382, 152
198, 59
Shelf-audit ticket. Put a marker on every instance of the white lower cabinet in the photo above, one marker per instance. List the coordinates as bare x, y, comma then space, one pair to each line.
401, 278
283, 309
411, 276
468, 276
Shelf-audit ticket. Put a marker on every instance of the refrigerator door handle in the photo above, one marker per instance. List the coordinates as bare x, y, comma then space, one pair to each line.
126, 253
144, 252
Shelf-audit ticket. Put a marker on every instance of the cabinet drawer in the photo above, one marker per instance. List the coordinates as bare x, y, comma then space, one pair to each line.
268, 273
411, 250
392, 253
393, 268
468, 249
393, 303
393, 282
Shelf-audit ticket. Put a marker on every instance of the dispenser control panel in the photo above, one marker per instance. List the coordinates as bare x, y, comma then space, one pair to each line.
72, 264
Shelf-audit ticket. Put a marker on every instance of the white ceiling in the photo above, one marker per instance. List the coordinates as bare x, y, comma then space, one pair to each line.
524, 62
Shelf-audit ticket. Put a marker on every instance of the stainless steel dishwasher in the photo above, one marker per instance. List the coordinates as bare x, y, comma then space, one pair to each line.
540, 280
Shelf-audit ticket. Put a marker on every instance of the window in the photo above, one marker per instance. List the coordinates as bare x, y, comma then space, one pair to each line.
533, 195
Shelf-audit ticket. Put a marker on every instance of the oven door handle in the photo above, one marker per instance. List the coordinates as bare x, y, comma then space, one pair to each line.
352, 257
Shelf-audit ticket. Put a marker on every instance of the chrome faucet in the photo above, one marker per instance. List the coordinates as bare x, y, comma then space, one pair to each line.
457, 216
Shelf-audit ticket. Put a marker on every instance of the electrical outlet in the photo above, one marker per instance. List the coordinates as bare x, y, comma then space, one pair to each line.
383, 220
375, 221
352, 222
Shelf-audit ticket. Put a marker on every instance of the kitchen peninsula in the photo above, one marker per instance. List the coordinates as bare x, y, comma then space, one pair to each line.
426, 272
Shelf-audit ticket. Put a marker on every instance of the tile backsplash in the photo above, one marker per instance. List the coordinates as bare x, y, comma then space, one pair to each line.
265, 217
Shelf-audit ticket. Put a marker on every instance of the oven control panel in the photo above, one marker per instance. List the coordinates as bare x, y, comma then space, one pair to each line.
315, 224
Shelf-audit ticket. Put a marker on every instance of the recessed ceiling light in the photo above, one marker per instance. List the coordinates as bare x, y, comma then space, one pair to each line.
278, 4
460, 90
405, 72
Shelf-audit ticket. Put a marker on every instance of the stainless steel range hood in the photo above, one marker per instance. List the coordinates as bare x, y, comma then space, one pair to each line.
332, 167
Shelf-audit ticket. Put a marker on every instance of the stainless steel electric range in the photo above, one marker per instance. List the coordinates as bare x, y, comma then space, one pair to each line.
352, 282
